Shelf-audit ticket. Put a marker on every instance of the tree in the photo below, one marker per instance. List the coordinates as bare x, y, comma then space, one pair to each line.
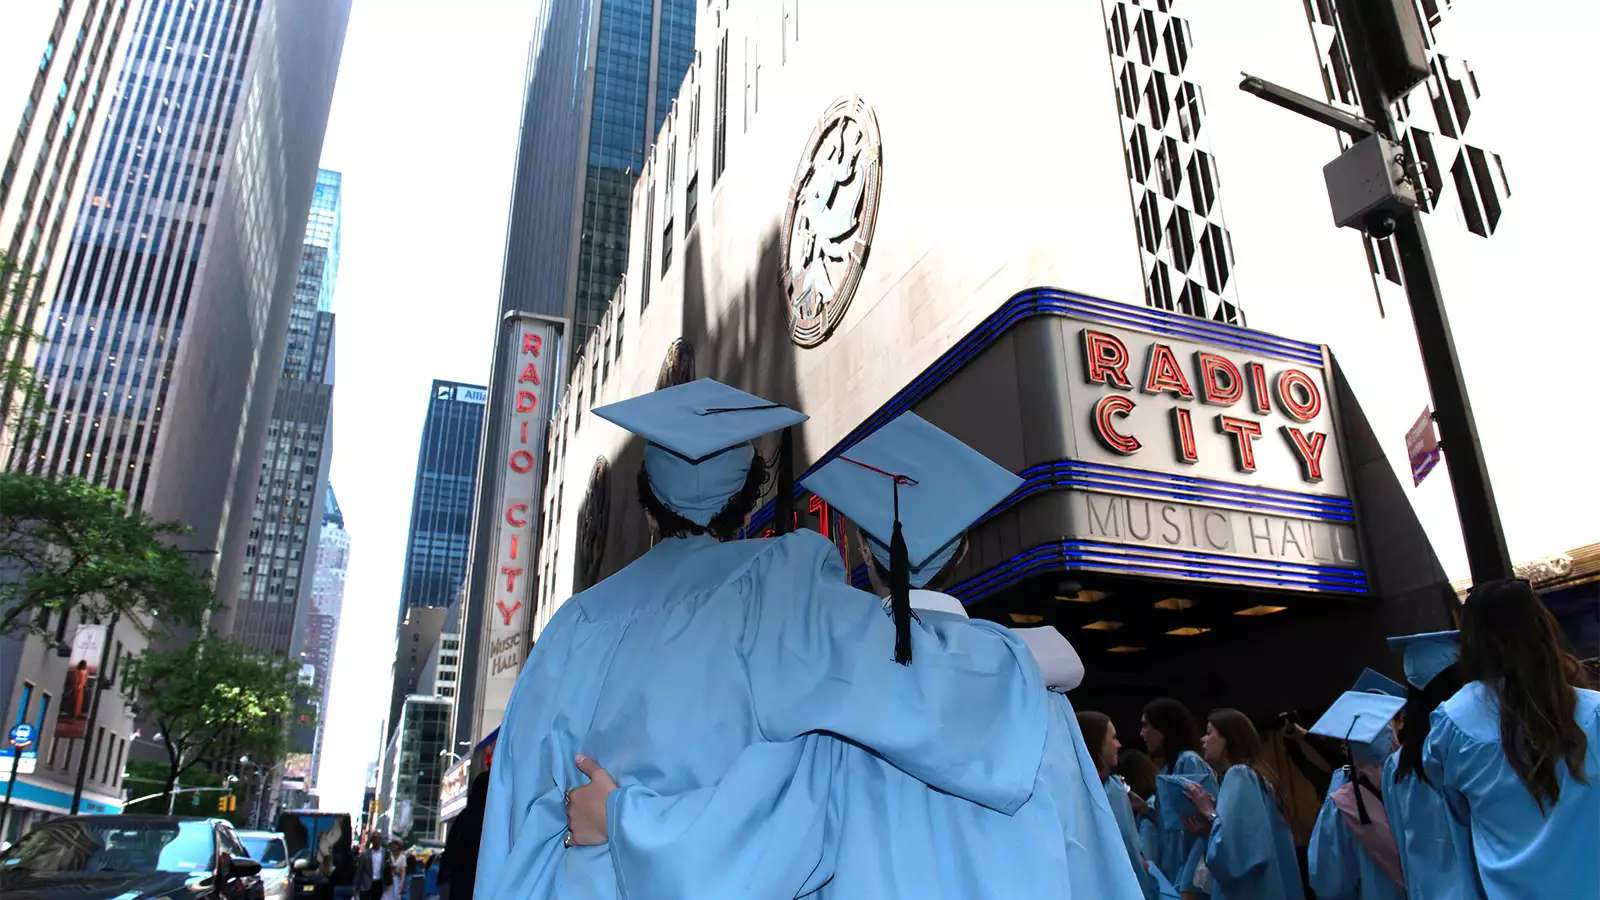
213, 697
68, 544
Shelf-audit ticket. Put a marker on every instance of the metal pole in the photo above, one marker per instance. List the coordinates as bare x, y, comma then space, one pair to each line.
5, 808
1458, 434
172, 795
94, 715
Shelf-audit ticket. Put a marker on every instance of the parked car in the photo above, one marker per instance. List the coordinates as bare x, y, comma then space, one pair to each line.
148, 857
321, 855
270, 849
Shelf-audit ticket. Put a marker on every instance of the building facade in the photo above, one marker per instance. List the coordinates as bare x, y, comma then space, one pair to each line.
441, 499
587, 116
319, 642
59, 99
276, 581
163, 338
831, 229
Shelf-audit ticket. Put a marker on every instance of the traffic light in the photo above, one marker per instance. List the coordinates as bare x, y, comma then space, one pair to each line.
233, 803
222, 803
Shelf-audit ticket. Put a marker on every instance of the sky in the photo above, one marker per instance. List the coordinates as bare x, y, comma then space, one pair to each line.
423, 127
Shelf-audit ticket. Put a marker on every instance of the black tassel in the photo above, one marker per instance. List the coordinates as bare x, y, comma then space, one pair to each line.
1361, 805
783, 509
900, 595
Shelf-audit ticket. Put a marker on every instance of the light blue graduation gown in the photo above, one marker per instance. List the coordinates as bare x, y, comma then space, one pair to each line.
874, 831
1431, 843
1518, 850
1251, 852
1340, 867
1177, 852
667, 671
1117, 796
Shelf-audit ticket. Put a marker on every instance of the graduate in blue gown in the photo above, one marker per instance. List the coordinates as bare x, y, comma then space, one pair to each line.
668, 671
884, 833
1435, 850
1249, 849
1169, 733
1352, 854
1516, 752
1100, 735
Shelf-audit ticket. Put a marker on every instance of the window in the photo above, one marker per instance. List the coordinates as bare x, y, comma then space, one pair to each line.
649, 235
22, 706
691, 203
719, 150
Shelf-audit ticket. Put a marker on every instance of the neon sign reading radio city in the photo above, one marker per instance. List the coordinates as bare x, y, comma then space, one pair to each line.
1237, 391
520, 489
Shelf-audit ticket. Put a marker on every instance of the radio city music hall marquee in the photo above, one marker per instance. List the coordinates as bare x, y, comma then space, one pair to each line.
1212, 441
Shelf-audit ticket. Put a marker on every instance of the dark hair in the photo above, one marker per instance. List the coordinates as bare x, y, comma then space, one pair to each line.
1178, 730
1420, 704
1512, 644
1244, 749
724, 525
1094, 726
1138, 770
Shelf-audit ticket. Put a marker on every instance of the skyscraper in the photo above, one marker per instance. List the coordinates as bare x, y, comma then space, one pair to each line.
274, 585
441, 500
588, 116
319, 641
164, 336
602, 76
58, 100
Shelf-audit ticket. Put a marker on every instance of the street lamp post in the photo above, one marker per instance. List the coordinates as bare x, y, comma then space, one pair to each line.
1385, 54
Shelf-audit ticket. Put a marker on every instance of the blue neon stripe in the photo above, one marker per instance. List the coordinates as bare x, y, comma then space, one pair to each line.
1053, 302
1071, 555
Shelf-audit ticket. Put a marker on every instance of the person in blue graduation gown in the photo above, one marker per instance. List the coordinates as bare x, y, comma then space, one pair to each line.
1173, 741
1352, 854
1434, 848
1516, 752
883, 832
670, 669
1249, 851
1100, 735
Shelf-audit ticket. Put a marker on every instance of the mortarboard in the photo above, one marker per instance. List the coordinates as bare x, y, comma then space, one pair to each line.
1426, 655
1373, 682
1359, 719
913, 489
690, 429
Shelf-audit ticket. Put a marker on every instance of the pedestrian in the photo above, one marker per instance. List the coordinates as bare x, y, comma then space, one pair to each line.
370, 868
1171, 738
1249, 850
1138, 770
1516, 751
430, 877
1353, 854
461, 844
1432, 845
394, 882
1100, 734
704, 646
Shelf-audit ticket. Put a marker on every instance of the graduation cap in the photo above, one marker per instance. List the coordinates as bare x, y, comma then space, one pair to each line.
1358, 718
1426, 655
1172, 800
913, 490
698, 452
1373, 682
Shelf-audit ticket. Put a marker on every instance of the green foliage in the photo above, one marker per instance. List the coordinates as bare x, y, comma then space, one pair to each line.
68, 544
211, 699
